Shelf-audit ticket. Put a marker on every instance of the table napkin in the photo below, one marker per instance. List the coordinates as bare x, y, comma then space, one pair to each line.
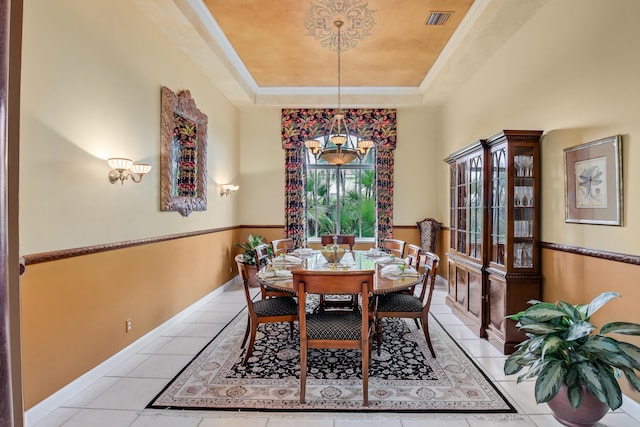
393, 270
275, 275
287, 259
304, 251
390, 260
373, 252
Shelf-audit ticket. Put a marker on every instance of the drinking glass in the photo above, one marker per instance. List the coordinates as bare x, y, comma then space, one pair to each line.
517, 259
529, 196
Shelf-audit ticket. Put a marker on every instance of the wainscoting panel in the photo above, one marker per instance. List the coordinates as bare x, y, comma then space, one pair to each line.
74, 308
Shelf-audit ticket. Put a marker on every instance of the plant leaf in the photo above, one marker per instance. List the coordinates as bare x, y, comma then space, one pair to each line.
610, 386
511, 366
626, 328
552, 344
590, 378
632, 378
632, 352
582, 309
516, 316
600, 344
608, 351
532, 326
574, 393
541, 313
599, 301
549, 381
578, 330
570, 311
571, 379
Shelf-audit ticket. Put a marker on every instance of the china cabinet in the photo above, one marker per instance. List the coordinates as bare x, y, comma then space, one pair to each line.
493, 261
467, 219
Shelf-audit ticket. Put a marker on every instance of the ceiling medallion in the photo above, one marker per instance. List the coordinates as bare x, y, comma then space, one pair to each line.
357, 17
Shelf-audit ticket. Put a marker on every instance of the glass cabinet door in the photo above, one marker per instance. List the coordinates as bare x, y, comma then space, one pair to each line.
453, 207
475, 207
524, 205
461, 210
498, 202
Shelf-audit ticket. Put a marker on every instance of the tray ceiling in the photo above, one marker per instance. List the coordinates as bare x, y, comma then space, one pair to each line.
283, 53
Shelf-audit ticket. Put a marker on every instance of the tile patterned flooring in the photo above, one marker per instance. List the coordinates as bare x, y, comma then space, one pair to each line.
118, 398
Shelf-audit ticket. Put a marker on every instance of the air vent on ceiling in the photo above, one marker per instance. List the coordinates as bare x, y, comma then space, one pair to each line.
438, 18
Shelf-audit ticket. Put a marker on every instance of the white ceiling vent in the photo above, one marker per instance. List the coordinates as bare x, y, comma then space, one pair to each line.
438, 18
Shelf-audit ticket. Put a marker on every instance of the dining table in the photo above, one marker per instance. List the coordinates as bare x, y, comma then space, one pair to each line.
392, 274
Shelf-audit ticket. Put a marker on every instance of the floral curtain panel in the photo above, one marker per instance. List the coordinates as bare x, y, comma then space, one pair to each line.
299, 125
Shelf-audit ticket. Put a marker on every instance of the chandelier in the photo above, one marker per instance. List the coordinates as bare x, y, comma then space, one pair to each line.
338, 148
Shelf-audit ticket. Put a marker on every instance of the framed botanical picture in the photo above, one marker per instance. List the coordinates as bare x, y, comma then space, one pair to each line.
593, 182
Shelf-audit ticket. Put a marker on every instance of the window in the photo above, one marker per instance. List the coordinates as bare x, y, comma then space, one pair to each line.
298, 125
347, 192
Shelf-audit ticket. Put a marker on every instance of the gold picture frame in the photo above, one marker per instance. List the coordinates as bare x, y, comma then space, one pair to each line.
183, 154
593, 182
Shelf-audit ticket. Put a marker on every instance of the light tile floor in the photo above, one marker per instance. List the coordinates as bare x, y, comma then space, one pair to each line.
119, 397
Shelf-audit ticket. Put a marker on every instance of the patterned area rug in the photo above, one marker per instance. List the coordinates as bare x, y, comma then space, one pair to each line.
403, 378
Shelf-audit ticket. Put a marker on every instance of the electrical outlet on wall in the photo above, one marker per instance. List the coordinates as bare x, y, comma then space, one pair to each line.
128, 325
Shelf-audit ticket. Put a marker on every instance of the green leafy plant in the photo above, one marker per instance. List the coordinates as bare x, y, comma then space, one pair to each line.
563, 347
249, 248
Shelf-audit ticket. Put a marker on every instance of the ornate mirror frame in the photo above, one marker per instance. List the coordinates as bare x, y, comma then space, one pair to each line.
183, 154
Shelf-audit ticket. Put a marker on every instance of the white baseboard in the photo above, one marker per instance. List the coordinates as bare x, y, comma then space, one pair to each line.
631, 407
58, 398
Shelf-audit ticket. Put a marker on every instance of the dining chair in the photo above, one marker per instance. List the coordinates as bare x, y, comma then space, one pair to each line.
394, 247
413, 259
282, 246
328, 329
414, 253
269, 310
402, 305
428, 229
342, 239
263, 255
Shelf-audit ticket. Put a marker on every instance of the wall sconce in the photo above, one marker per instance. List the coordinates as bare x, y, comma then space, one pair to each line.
228, 189
123, 169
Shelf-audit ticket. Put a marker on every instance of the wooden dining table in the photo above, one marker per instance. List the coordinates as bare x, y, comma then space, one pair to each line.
390, 275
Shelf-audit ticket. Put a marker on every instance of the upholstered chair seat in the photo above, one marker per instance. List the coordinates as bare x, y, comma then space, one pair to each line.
399, 302
407, 306
280, 306
334, 326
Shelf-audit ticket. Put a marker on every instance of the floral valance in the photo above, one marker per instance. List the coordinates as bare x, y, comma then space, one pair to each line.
377, 124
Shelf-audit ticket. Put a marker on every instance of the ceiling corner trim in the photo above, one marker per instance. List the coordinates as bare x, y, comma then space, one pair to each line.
454, 42
224, 50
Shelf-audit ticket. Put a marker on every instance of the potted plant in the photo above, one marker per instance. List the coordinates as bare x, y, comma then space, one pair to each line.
575, 365
247, 259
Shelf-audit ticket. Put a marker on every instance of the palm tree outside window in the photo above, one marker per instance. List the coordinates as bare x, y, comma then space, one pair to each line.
341, 199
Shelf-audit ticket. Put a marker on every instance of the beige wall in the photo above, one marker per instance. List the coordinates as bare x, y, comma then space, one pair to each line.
416, 162
92, 73
74, 310
570, 71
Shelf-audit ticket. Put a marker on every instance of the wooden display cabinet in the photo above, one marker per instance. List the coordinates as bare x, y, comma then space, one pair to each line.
493, 262
467, 218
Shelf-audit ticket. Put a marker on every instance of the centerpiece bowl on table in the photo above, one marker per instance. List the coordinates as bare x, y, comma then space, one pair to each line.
333, 255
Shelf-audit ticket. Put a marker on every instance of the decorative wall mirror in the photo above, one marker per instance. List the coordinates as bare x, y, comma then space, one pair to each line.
183, 154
